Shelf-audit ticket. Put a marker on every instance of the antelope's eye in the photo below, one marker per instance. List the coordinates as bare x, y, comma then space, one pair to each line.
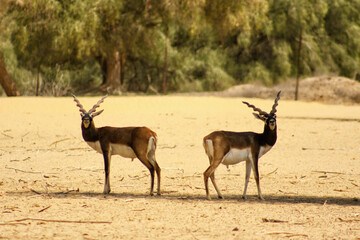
272, 121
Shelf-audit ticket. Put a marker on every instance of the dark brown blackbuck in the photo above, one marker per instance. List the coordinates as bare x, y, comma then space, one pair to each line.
128, 142
231, 148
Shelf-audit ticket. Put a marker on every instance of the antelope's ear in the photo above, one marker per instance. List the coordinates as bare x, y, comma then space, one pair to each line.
261, 117
97, 113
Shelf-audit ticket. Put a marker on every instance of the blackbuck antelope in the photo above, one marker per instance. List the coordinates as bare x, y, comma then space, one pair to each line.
128, 142
231, 148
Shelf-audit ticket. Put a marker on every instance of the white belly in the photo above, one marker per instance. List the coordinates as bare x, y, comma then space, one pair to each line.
236, 155
115, 149
122, 150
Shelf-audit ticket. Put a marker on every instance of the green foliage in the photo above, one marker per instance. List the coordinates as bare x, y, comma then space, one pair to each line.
212, 44
258, 72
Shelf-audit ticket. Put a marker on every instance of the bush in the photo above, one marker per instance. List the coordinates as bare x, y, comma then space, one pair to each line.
258, 73
217, 79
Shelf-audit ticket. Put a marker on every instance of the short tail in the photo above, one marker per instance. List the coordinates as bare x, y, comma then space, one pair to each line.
151, 149
209, 148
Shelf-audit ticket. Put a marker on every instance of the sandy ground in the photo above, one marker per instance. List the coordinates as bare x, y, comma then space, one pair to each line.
51, 182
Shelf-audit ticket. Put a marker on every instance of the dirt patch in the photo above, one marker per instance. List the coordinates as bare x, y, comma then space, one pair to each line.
51, 182
326, 89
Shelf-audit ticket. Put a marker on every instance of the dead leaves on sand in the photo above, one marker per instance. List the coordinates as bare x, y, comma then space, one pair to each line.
52, 221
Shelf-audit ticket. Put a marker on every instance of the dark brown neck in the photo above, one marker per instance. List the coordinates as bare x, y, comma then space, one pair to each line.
90, 134
269, 136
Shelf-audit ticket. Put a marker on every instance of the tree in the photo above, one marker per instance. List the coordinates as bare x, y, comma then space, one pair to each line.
170, 45
35, 33
70, 33
6, 81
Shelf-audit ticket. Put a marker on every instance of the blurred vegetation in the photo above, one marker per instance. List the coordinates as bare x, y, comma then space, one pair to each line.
55, 47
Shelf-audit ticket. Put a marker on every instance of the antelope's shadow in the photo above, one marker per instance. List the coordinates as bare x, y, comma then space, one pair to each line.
269, 199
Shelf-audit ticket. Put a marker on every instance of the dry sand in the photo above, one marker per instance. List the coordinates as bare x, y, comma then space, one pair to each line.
51, 182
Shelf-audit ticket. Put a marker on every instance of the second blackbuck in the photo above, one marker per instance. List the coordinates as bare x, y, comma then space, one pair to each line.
128, 142
231, 148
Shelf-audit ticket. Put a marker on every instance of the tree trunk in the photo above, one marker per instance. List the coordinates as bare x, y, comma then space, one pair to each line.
164, 87
298, 66
113, 71
6, 81
122, 68
100, 59
37, 81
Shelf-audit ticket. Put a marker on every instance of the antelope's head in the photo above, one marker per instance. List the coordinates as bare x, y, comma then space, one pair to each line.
87, 116
268, 118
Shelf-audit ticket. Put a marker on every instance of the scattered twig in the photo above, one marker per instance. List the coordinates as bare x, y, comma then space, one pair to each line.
349, 220
185, 185
87, 169
54, 220
340, 190
293, 193
324, 149
268, 174
22, 137
137, 177
273, 220
192, 234
126, 185
171, 168
139, 210
77, 148
183, 198
169, 191
16, 223
20, 170
271, 172
354, 184
44, 209
34, 191
69, 191
171, 147
30, 189
56, 142
326, 172
23, 160
7, 135
289, 235
196, 174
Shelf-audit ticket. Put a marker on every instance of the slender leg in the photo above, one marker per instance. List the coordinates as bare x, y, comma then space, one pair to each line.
209, 172
247, 177
212, 177
152, 173
147, 157
107, 162
144, 159
206, 181
152, 160
256, 175
158, 173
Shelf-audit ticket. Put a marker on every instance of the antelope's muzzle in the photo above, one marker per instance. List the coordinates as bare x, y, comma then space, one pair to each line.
272, 124
86, 122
